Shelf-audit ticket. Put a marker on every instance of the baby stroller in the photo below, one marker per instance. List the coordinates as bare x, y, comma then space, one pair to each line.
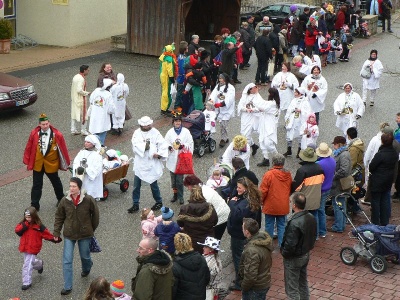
376, 243
226, 171
362, 30
195, 122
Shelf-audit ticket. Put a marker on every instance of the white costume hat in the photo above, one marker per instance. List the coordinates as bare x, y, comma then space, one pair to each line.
94, 140
145, 121
212, 243
106, 83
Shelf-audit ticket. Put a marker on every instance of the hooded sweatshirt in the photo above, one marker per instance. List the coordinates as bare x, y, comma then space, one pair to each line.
256, 262
165, 234
356, 148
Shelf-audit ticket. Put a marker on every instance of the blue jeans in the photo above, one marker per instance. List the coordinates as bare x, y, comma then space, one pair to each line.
319, 215
340, 220
102, 137
237, 246
68, 257
381, 208
280, 226
331, 56
255, 294
155, 190
295, 273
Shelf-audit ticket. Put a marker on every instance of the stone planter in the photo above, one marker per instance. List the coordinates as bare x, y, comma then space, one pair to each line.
5, 46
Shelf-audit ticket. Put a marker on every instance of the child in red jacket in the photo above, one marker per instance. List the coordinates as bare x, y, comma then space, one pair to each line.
32, 231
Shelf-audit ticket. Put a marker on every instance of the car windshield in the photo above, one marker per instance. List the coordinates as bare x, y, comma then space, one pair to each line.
286, 10
272, 10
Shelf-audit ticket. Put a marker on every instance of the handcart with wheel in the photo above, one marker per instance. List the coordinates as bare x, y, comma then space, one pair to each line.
116, 175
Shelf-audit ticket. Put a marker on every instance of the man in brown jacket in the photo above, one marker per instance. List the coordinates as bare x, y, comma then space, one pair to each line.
79, 214
255, 262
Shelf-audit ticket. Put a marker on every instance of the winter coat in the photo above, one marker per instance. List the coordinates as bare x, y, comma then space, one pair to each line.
382, 169
227, 60
340, 19
356, 149
192, 48
328, 165
230, 191
261, 26
191, 276
240, 209
300, 235
51, 159
330, 19
215, 49
79, 221
198, 220
297, 32
256, 262
103, 75
274, 38
283, 43
263, 48
245, 38
32, 236
296, 72
275, 187
148, 226
343, 169
311, 34
386, 7
154, 278
308, 179
166, 234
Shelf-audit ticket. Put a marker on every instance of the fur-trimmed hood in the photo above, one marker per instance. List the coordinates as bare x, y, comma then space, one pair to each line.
159, 262
196, 212
261, 239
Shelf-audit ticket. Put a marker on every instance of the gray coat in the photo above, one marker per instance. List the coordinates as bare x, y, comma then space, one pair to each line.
343, 169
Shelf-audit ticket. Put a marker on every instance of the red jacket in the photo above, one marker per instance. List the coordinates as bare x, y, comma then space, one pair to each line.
31, 147
31, 237
275, 187
239, 55
310, 37
340, 18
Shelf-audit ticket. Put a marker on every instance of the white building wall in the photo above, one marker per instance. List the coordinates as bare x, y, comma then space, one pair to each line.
79, 22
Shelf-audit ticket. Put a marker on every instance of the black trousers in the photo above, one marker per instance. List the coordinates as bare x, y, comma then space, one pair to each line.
36, 192
219, 230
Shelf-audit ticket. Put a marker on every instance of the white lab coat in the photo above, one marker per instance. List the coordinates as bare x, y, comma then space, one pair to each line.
78, 97
282, 80
228, 111
101, 107
349, 105
317, 103
146, 167
296, 122
249, 120
372, 83
93, 178
231, 153
184, 138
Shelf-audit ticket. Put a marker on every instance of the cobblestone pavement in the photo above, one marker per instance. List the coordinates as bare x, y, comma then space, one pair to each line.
51, 69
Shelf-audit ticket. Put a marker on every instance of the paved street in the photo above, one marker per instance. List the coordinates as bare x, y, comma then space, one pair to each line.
119, 232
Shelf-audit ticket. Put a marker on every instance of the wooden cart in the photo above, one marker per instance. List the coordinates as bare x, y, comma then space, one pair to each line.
117, 176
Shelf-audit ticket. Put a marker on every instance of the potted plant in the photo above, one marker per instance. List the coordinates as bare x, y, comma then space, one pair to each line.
6, 33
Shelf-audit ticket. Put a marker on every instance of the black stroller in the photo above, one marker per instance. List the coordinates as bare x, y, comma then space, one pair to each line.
376, 243
195, 122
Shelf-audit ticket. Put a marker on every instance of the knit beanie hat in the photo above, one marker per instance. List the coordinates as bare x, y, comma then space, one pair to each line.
117, 287
167, 213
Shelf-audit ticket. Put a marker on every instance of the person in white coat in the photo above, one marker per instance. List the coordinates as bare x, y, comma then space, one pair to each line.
238, 148
296, 118
285, 82
249, 115
349, 108
371, 80
317, 88
119, 91
178, 139
79, 102
150, 150
269, 117
101, 107
223, 98
88, 166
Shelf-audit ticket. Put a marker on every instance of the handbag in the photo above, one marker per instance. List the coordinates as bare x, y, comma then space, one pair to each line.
63, 163
94, 245
347, 183
366, 72
128, 114
184, 164
271, 66
173, 91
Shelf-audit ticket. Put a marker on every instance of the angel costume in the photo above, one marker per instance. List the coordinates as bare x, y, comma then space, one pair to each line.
371, 84
119, 91
285, 83
317, 89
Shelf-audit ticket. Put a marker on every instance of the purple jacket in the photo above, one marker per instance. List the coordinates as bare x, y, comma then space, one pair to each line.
328, 165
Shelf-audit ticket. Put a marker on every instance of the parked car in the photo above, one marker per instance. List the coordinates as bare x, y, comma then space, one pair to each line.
15, 93
277, 12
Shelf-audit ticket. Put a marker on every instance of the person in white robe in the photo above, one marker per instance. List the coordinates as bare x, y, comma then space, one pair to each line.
150, 150
79, 102
249, 115
88, 166
296, 118
178, 139
269, 117
349, 108
285, 82
101, 107
119, 91
316, 87
371, 84
223, 98
309, 63
238, 148
311, 132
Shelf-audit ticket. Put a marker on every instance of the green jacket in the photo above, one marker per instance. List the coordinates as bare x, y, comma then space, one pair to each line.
256, 262
79, 221
154, 279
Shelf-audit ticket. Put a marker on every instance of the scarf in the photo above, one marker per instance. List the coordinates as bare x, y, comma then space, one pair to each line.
178, 130
76, 200
336, 152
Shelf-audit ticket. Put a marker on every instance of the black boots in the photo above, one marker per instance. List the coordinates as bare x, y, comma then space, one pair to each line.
288, 152
175, 197
298, 152
254, 149
264, 163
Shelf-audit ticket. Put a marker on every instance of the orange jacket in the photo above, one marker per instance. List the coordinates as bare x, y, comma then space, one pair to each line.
275, 187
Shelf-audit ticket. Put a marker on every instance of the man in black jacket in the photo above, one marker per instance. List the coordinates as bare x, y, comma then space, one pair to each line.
264, 53
298, 240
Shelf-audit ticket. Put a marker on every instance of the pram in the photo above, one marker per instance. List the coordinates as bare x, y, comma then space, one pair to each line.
375, 243
362, 30
226, 171
195, 122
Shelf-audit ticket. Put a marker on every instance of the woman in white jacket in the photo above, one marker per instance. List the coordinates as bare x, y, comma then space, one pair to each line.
317, 88
296, 119
348, 107
178, 139
223, 98
371, 80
